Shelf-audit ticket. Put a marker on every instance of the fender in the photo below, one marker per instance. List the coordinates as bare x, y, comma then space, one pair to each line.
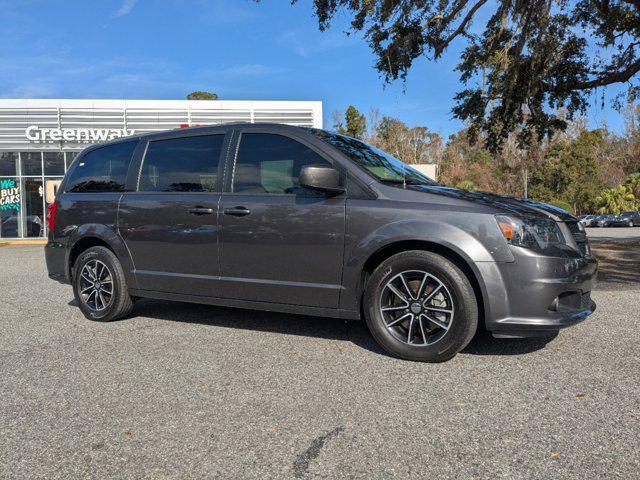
111, 238
463, 241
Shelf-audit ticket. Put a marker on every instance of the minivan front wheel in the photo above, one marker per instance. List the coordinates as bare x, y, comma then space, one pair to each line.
420, 306
99, 285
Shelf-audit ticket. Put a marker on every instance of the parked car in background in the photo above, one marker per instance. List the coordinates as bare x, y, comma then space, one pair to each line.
628, 219
605, 220
588, 220
301, 220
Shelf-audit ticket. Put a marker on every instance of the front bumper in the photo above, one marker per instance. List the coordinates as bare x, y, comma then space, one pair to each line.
538, 295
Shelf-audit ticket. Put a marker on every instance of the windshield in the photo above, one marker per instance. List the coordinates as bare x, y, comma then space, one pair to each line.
378, 163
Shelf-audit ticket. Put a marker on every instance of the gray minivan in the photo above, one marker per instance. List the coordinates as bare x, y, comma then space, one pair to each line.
302, 220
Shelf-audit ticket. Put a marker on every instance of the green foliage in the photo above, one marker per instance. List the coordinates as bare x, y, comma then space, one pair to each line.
200, 95
571, 172
524, 63
615, 200
561, 204
355, 124
467, 185
633, 184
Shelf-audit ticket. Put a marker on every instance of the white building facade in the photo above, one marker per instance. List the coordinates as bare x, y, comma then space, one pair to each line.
40, 137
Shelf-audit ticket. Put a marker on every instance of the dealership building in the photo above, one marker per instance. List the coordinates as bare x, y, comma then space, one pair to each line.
40, 137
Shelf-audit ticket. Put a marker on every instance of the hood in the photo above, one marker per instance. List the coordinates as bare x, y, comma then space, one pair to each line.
507, 203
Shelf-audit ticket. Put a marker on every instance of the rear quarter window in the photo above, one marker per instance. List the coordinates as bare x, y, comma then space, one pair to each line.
102, 170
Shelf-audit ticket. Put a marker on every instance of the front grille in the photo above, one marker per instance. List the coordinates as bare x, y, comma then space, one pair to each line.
580, 237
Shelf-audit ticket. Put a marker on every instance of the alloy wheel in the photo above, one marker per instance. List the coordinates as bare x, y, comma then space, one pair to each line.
96, 285
417, 308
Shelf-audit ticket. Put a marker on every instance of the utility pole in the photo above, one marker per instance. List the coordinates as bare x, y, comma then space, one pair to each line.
526, 182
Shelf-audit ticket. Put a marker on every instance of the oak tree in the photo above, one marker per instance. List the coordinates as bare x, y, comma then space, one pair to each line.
523, 60
200, 95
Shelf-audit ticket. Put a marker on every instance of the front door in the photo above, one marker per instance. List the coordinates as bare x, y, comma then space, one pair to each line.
170, 223
33, 218
279, 242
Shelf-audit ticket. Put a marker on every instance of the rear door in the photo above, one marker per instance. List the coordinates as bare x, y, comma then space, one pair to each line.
170, 223
279, 242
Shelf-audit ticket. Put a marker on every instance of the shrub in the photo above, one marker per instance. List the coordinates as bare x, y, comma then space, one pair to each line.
562, 204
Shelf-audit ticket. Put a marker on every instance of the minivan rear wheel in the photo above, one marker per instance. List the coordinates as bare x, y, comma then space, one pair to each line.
99, 285
420, 306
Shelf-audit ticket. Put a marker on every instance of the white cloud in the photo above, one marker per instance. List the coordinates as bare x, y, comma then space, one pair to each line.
248, 70
309, 43
126, 8
67, 76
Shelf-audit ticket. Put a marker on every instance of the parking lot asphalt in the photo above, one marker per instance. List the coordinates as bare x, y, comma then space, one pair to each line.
190, 391
624, 234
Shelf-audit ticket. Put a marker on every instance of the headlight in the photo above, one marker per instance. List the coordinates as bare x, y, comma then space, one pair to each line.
535, 233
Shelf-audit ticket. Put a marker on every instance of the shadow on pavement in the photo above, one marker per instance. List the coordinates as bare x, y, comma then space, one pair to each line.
618, 263
352, 331
261, 321
484, 344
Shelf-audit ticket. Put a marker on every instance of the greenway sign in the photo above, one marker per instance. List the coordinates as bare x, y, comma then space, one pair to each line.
9, 195
74, 135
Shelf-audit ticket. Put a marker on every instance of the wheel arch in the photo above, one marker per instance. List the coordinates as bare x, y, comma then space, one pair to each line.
80, 246
457, 258
100, 235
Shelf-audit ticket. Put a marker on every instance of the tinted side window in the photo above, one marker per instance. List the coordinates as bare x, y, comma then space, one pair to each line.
185, 164
103, 169
269, 163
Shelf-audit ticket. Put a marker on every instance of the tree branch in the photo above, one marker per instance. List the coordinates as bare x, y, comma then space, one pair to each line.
439, 48
608, 79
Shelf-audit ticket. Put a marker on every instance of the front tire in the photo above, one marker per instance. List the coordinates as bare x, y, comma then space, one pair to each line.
420, 306
99, 285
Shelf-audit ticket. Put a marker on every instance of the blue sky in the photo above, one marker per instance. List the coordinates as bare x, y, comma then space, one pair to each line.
163, 49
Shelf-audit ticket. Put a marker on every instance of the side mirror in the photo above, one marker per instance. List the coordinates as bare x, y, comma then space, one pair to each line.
322, 178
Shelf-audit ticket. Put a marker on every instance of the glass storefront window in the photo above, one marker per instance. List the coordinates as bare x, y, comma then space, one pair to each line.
53, 163
26, 190
31, 163
9, 224
33, 202
70, 157
10, 207
8, 163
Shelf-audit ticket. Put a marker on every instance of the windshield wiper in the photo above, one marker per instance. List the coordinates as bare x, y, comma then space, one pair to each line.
400, 181
406, 181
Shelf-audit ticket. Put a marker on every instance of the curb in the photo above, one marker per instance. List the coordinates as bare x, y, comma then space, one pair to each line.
22, 242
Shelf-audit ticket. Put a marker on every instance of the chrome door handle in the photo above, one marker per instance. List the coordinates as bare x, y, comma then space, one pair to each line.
200, 211
237, 211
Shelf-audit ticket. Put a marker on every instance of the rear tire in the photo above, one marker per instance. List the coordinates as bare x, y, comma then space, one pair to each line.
99, 285
420, 306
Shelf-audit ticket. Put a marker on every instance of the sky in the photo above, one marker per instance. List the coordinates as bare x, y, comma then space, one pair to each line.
239, 49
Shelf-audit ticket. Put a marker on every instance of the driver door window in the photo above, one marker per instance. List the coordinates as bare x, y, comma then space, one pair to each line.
271, 164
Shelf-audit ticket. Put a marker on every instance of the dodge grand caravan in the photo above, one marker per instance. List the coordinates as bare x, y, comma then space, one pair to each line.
305, 221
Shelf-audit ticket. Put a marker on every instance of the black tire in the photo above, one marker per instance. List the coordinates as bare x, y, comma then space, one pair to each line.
119, 304
462, 325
